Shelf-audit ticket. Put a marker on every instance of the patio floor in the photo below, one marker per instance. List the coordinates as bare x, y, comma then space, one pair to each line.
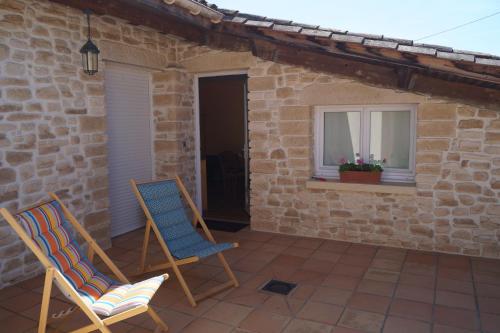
342, 288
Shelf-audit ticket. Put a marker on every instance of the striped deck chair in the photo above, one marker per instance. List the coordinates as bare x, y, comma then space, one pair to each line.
163, 205
49, 230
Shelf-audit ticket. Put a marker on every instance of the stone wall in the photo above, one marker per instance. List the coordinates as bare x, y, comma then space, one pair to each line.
173, 100
456, 207
52, 115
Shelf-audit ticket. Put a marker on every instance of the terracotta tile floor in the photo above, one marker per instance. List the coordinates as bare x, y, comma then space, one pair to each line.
342, 288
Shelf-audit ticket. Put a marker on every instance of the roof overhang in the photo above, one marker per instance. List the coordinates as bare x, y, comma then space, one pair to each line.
380, 61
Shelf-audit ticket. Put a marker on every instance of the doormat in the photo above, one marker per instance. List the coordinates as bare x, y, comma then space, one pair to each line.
224, 226
279, 287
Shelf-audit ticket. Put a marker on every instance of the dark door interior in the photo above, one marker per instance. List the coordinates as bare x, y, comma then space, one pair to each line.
223, 144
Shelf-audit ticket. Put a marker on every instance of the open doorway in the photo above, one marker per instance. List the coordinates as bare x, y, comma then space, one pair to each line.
224, 147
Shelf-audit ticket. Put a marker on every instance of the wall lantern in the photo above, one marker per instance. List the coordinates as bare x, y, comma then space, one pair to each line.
89, 51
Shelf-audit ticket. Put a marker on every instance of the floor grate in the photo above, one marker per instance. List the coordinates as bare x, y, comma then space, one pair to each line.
279, 287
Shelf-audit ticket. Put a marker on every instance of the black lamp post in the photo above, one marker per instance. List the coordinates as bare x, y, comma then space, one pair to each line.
89, 51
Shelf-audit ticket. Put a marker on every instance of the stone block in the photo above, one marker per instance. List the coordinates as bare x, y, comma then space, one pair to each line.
263, 166
18, 94
468, 187
278, 154
259, 116
433, 145
492, 137
484, 113
470, 123
15, 158
95, 150
261, 83
96, 219
302, 113
437, 111
10, 108
92, 124
48, 93
436, 129
7, 176
294, 128
285, 92
469, 145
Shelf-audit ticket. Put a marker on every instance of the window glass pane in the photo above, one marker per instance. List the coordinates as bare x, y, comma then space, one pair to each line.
390, 138
341, 137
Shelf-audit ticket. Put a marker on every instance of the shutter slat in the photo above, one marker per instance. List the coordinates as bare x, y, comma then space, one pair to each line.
129, 142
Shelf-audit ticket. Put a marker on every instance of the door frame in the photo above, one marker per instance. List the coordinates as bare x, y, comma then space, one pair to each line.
197, 132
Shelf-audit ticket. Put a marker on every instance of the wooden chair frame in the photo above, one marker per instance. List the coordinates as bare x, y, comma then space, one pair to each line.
52, 274
172, 262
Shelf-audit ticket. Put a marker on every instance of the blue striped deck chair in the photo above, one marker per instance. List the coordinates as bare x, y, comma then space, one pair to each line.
166, 213
48, 229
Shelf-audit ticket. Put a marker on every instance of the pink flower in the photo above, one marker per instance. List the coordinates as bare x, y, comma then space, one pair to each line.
360, 161
343, 160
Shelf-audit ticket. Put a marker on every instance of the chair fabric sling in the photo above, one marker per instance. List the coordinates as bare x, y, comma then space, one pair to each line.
48, 227
167, 209
166, 204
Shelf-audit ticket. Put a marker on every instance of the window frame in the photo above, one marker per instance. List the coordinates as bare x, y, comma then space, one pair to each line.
389, 174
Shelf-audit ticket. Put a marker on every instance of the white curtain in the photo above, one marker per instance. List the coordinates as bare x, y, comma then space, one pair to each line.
341, 137
390, 138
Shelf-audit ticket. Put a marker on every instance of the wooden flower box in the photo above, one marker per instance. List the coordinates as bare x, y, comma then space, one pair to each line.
363, 177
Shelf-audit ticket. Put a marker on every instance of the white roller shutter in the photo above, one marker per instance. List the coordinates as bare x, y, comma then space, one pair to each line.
129, 142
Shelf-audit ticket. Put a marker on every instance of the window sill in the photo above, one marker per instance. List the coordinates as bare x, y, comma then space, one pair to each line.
391, 188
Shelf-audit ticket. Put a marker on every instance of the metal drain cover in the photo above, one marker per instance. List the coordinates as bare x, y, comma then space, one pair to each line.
279, 287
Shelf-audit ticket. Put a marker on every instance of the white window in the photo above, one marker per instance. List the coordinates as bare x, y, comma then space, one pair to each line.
366, 132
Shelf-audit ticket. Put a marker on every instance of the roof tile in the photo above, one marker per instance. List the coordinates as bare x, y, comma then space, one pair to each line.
337, 31
306, 26
262, 24
489, 62
279, 21
380, 43
286, 28
228, 11
316, 33
347, 38
398, 40
434, 46
236, 19
252, 16
479, 54
371, 36
416, 49
369, 40
455, 56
